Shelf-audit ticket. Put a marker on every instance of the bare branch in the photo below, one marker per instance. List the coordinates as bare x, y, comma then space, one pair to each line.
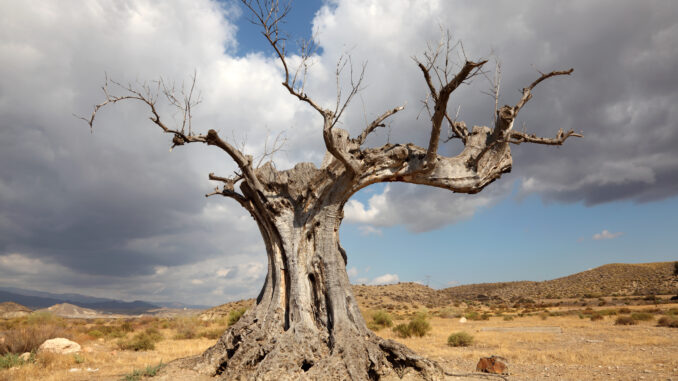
517, 137
376, 123
527, 92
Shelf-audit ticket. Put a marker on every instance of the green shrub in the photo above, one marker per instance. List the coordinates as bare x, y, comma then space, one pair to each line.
138, 374
642, 316
402, 330
235, 315
472, 315
382, 319
95, 333
142, 341
460, 339
625, 320
419, 325
10, 360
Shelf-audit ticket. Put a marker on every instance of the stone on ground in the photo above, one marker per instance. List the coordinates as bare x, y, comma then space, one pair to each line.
60, 346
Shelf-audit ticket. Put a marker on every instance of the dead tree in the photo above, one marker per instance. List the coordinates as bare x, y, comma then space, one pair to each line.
306, 322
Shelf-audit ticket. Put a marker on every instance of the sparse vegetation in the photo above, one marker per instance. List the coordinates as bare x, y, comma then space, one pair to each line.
10, 360
625, 320
642, 316
28, 338
138, 374
235, 315
142, 341
460, 339
668, 321
596, 316
380, 319
418, 326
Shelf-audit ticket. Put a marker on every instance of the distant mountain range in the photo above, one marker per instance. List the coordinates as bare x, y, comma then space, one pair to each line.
40, 299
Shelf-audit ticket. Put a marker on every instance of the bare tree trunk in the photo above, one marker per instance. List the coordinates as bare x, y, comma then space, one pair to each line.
306, 323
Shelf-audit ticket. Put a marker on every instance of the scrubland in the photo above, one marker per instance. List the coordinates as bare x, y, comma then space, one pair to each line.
593, 343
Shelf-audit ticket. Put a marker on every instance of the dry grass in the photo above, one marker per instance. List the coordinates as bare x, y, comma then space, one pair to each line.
584, 348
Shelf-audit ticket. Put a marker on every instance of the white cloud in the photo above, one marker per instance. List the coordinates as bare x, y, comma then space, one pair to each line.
606, 235
385, 279
370, 230
418, 208
352, 272
223, 272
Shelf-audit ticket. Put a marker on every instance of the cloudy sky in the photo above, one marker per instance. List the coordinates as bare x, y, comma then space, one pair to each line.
112, 212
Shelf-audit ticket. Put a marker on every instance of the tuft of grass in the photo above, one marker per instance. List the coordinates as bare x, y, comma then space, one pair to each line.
235, 315
460, 339
668, 321
642, 316
508, 317
43, 318
625, 320
138, 374
10, 360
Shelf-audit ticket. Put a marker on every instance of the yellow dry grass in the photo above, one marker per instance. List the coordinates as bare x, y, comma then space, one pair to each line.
584, 350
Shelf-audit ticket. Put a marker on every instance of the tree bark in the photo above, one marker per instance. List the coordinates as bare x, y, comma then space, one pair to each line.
306, 323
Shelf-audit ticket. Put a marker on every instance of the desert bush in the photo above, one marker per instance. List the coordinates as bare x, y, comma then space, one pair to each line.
472, 315
625, 320
642, 316
138, 374
95, 333
10, 360
235, 315
142, 341
28, 339
402, 330
460, 339
624, 310
485, 316
508, 318
596, 316
668, 321
126, 327
543, 315
448, 313
419, 325
43, 318
382, 318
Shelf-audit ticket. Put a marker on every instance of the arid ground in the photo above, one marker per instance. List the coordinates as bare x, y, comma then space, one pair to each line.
587, 337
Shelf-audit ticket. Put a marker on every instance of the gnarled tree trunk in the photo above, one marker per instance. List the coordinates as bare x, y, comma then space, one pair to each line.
306, 323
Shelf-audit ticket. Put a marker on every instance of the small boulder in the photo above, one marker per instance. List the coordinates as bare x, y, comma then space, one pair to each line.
462, 320
493, 364
25, 356
59, 345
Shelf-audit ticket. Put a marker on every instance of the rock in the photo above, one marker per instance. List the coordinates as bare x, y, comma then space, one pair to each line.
493, 364
59, 345
462, 320
25, 356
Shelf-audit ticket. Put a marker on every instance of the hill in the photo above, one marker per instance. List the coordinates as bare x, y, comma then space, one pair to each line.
609, 280
39, 299
9, 310
616, 279
72, 311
